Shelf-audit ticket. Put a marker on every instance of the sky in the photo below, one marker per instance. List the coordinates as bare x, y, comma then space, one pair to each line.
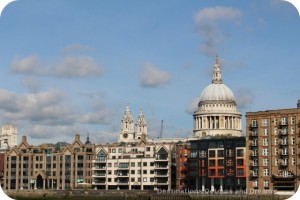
71, 67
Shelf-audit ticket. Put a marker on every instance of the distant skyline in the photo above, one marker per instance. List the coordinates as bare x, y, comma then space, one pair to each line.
74, 66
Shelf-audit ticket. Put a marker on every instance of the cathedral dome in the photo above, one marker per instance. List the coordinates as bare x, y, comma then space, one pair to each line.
217, 92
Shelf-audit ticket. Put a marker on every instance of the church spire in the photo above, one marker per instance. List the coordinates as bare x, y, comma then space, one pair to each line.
217, 76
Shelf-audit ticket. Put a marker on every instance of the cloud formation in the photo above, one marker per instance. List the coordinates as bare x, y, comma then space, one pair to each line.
192, 106
153, 77
207, 22
244, 98
43, 112
67, 67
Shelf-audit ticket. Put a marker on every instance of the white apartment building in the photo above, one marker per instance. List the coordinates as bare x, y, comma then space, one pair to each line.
8, 136
135, 162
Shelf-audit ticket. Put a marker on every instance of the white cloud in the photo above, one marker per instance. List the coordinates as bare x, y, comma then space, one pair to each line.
27, 65
153, 77
192, 106
244, 98
31, 83
50, 114
207, 25
77, 66
67, 67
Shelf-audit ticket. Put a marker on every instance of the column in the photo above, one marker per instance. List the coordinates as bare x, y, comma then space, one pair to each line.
35, 184
44, 184
212, 187
203, 186
221, 184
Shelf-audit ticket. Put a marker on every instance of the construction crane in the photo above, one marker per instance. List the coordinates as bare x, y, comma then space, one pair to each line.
161, 128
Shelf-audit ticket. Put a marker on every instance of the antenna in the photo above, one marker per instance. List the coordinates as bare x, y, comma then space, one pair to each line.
161, 128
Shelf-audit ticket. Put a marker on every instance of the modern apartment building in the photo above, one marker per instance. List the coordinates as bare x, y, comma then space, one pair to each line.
273, 143
135, 162
48, 166
217, 164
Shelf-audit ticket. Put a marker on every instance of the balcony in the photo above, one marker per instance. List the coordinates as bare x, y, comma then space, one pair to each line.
253, 144
98, 182
283, 164
99, 161
98, 175
98, 168
161, 166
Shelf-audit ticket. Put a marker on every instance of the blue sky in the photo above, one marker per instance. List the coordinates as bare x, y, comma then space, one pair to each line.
73, 66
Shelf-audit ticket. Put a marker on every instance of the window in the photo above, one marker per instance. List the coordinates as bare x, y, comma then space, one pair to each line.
275, 131
240, 172
265, 162
292, 130
255, 183
144, 179
265, 152
266, 172
276, 141
276, 151
292, 120
147, 148
113, 150
266, 183
265, 122
240, 152
144, 171
220, 162
220, 172
212, 153
123, 165
240, 162
292, 140
284, 121
194, 153
212, 163
265, 132
120, 150
285, 151
265, 142
275, 121
132, 180
132, 172
293, 161
276, 162
132, 164
254, 123
212, 172
144, 164
220, 153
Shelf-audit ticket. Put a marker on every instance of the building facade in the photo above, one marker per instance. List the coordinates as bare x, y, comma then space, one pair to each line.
273, 143
135, 162
217, 164
48, 166
8, 137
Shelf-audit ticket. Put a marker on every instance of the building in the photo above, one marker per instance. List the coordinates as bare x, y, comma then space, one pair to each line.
217, 112
217, 164
273, 143
135, 162
214, 158
48, 166
1, 168
182, 159
8, 137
